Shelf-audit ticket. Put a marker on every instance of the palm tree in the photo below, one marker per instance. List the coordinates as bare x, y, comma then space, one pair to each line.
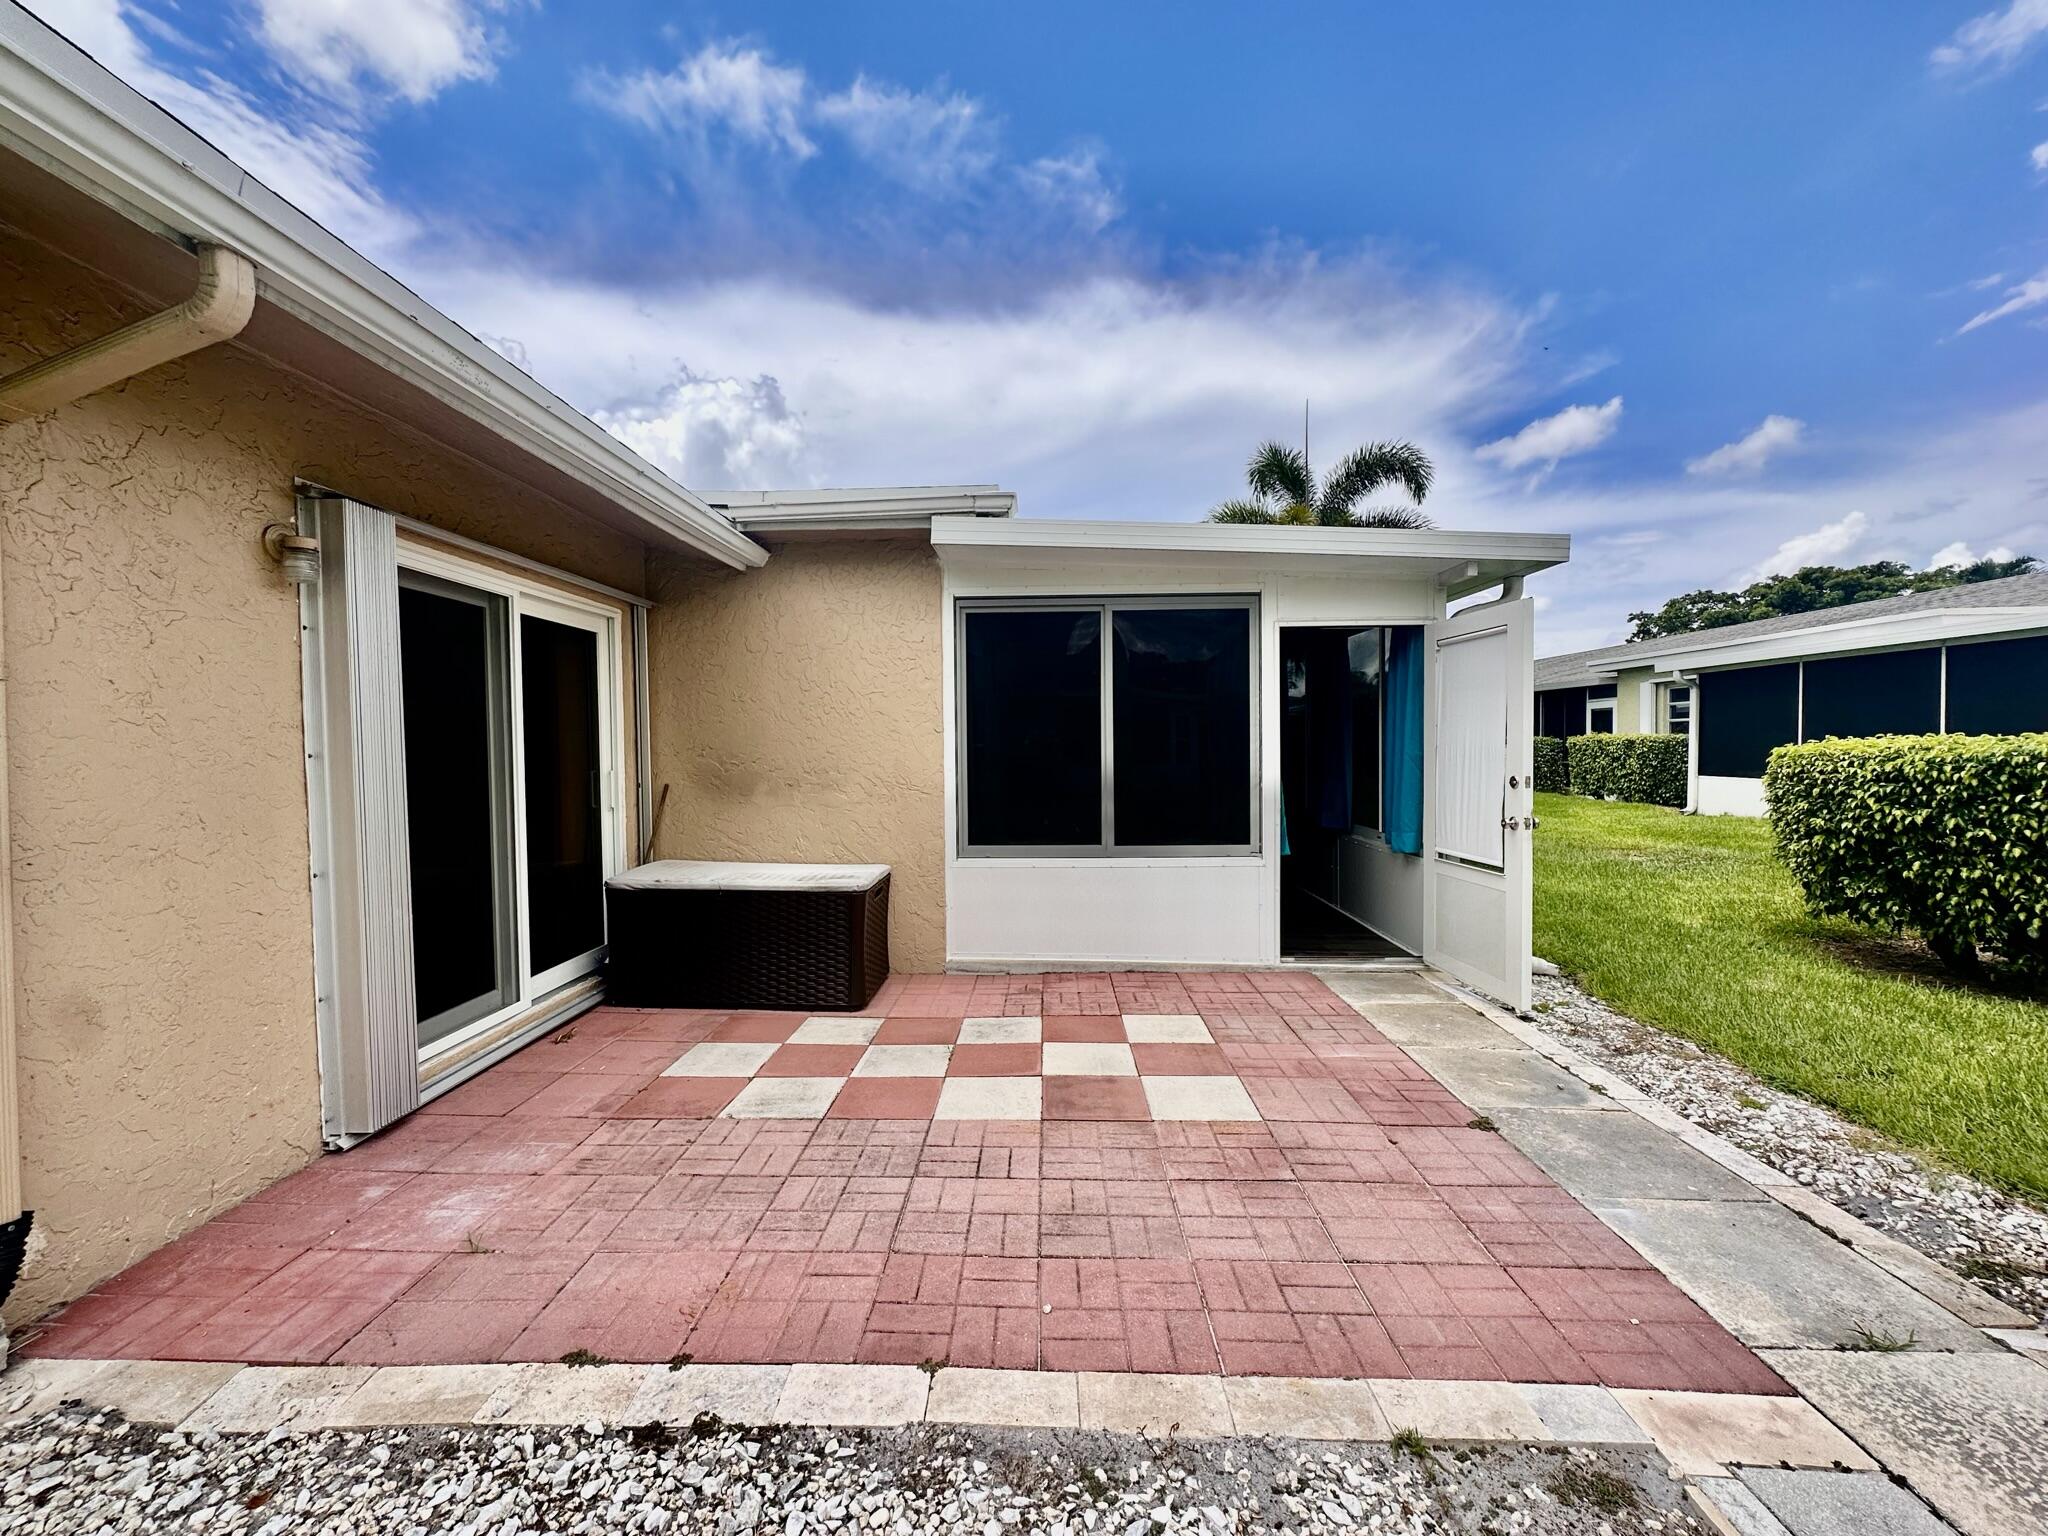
1284, 489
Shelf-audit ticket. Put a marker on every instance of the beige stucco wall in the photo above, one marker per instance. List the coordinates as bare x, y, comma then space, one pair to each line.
795, 715
163, 936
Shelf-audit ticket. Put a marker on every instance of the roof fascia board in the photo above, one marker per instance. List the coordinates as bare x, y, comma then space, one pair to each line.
1449, 549
65, 113
1886, 634
884, 508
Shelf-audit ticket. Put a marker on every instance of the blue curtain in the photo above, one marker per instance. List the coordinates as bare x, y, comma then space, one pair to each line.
1403, 759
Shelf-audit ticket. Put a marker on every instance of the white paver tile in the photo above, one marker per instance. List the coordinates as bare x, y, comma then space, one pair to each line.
784, 1098
1304, 1409
873, 1395
261, 1398
1701, 1433
1199, 1098
425, 1394
1166, 1029
835, 1032
722, 1058
1583, 1415
159, 1391
1018, 1031
33, 1386
566, 1394
1135, 1403
739, 1394
1014, 1399
1063, 1058
903, 1061
1459, 1410
991, 1098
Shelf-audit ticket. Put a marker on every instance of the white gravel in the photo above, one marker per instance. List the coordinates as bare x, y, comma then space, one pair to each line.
79, 1470
1992, 1238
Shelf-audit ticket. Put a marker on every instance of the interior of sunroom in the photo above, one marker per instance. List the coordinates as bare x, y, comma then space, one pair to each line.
1351, 775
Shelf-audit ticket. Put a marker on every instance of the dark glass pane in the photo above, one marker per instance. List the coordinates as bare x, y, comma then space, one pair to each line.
451, 647
1034, 729
1364, 652
564, 816
1181, 694
1743, 714
1998, 687
1895, 692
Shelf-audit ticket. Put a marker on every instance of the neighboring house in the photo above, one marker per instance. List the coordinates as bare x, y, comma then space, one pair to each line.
1967, 659
303, 836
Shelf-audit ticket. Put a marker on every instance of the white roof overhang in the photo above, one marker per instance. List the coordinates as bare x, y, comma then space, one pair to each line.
1895, 633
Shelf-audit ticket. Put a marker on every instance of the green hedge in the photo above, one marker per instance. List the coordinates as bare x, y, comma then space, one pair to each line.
1943, 836
1648, 769
1551, 777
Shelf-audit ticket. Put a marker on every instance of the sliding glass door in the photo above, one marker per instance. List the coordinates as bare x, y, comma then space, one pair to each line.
511, 805
458, 796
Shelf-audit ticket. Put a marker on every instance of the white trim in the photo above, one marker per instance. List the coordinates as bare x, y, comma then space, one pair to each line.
65, 113
1899, 633
874, 508
1461, 562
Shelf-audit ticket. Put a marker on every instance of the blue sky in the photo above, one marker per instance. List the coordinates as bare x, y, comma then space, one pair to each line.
1715, 290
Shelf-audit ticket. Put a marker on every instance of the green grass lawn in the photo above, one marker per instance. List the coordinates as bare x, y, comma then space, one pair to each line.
1691, 924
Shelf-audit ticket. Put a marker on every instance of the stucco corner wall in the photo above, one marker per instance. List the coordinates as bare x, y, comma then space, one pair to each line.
796, 716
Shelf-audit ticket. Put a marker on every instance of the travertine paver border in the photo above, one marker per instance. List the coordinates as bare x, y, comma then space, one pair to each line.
1706, 1430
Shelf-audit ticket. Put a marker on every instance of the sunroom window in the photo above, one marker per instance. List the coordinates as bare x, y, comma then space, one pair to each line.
1115, 726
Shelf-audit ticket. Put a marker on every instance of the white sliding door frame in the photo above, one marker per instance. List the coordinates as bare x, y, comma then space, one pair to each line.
527, 598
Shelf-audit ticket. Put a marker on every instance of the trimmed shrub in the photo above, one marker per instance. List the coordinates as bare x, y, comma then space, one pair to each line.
1649, 769
1943, 836
1551, 777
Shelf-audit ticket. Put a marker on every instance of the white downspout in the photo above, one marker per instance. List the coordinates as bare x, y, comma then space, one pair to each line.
222, 301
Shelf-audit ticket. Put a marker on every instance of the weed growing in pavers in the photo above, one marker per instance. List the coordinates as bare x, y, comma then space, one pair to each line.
1587, 1486
677, 1361
471, 1245
566, 1036
931, 1367
705, 1425
1481, 1123
1880, 1341
584, 1357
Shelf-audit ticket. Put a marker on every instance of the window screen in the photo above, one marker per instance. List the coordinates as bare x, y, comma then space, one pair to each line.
1561, 712
1176, 709
1744, 713
1181, 702
1894, 691
1997, 687
1033, 700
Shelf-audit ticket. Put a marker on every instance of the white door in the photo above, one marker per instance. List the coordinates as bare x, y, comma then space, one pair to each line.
1481, 676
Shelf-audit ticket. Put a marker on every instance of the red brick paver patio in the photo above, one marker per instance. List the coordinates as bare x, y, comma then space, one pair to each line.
595, 1192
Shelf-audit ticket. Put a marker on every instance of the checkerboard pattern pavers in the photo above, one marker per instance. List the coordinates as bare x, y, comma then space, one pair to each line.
1105, 1171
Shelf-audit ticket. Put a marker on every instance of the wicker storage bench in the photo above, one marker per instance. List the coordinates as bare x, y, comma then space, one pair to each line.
686, 934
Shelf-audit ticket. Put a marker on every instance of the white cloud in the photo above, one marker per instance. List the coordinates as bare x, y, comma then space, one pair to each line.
2039, 157
1076, 184
2031, 294
324, 169
936, 141
1960, 553
726, 87
1749, 453
721, 433
415, 47
1825, 545
1575, 429
1995, 40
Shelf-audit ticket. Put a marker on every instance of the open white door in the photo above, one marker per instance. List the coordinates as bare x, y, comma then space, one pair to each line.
1481, 675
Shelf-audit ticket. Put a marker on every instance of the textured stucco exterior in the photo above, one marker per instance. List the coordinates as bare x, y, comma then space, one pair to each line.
796, 715
163, 928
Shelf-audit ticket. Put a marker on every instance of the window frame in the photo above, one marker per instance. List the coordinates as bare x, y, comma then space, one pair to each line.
1672, 705
1613, 711
540, 599
1106, 609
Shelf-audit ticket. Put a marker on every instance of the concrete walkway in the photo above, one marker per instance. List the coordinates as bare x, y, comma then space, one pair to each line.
1961, 1415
